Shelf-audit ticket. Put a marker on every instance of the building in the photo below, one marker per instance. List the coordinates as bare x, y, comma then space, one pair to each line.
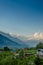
40, 53
27, 54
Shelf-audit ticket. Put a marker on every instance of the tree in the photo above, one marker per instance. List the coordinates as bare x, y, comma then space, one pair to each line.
40, 45
37, 61
21, 54
6, 49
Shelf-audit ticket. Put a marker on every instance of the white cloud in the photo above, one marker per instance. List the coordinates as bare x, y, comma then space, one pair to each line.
35, 36
38, 35
41, 35
13, 34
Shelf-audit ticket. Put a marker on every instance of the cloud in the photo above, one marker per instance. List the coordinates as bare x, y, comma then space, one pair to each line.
41, 35
38, 35
13, 34
35, 36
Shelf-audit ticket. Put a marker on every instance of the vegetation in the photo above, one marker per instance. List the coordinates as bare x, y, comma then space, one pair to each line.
6, 49
7, 58
40, 45
10, 58
38, 61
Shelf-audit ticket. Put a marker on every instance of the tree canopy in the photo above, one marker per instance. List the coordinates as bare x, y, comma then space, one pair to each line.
40, 45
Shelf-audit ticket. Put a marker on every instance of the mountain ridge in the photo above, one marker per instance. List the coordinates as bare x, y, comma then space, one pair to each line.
5, 40
20, 43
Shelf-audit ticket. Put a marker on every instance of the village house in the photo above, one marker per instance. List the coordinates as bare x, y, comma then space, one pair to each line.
40, 53
27, 54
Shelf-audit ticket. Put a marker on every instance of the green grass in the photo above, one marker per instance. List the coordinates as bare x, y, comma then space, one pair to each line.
7, 58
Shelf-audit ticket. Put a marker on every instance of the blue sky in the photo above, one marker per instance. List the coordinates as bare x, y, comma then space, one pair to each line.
21, 16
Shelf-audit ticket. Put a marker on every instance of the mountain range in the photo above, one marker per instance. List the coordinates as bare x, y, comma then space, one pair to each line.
15, 42
12, 42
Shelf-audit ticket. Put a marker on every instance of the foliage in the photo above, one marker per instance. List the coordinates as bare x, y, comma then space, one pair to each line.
6, 49
8, 58
38, 61
40, 45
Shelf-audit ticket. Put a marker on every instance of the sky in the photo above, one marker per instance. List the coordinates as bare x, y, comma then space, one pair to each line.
23, 17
